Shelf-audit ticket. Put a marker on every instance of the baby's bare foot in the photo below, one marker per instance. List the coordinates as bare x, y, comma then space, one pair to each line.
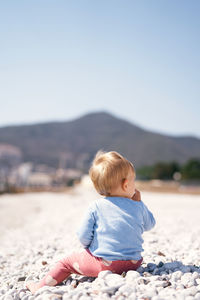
32, 286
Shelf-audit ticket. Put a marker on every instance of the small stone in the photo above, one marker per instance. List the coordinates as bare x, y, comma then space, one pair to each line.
185, 269
180, 287
197, 296
156, 271
192, 290
54, 297
133, 296
74, 283
166, 284
8, 297
195, 275
114, 279
151, 267
163, 273
103, 274
126, 290
2, 291
160, 264
141, 280
160, 253
120, 297
25, 297
109, 289
168, 266
84, 298
132, 275
155, 278
147, 274
159, 283
140, 269
23, 278
156, 298
21, 295
151, 292
177, 275
186, 278
98, 282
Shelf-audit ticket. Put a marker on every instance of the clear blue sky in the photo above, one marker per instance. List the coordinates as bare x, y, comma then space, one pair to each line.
139, 60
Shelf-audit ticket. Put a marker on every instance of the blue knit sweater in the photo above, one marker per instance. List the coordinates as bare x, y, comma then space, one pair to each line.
113, 227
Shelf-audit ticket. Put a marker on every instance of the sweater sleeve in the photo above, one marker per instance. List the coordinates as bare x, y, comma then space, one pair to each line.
86, 230
148, 218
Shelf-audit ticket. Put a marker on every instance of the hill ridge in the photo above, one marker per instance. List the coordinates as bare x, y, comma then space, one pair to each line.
79, 139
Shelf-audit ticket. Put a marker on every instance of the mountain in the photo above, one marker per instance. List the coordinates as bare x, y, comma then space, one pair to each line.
74, 143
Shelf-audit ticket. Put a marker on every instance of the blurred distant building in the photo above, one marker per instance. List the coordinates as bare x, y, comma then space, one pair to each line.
23, 172
67, 176
39, 180
10, 156
16, 174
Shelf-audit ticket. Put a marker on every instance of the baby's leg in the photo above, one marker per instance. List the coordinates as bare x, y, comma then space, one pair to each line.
60, 272
82, 263
53, 277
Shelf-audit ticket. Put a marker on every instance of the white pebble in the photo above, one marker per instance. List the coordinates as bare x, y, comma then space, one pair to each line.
83, 298
114, 281
126, 290
195, 275
8, 297
177, 275
197, 296
103, 274
132, 275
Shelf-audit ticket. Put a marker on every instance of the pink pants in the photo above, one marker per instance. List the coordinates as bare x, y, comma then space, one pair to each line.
84, 263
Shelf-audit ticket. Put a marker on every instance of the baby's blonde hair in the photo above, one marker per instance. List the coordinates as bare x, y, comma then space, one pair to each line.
108, 171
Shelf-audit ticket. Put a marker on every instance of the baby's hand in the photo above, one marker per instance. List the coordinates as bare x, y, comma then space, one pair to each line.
136, 196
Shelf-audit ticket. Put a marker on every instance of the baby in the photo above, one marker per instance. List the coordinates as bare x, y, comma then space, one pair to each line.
111, 232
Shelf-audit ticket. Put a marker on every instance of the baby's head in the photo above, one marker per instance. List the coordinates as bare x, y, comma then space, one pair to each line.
112, 174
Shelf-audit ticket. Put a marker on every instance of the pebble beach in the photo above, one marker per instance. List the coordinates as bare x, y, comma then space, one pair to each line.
38, 229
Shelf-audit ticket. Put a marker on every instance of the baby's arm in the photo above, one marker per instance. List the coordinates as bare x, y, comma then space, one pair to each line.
148, 218
86, 230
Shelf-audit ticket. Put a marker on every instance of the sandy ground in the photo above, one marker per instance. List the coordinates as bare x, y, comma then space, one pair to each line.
47, 222
19, 210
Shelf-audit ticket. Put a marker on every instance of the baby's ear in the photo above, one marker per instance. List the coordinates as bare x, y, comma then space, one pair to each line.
124, 184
